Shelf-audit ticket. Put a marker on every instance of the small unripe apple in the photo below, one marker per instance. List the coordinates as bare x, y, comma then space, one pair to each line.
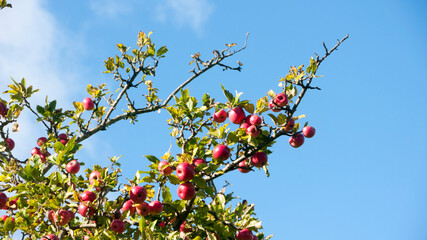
118, 226
308, 131
185, 171
281, 99
61, 217
88, 104
255, 120
259, 159
186, 191
297, 140
156, 207
85, 210
128, 206
50, 237
252, 131
221, 152
220, 116
41, 141
199, 161
3, 200
244, 234
236, 115
290, 125
10, 143
95, 175
73, 167
88, 196
138, 194
243, 167
143, 209
273, 106
164, 168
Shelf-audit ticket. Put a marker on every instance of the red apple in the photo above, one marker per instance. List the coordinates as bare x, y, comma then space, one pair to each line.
162, 224
61, 217
290, 125
198, 161
164, 168
3, 200
41, 141
308, 131
184, 229
88, 196
43, 156
138, 194
10, 143
221, 152
259, 159
50, 215
95, 175
243, 167
297, 140
143, 209
118, 226
72, 215
186, 191
3, 109
220, 116
244, 234
50, 237
252, 131
13, 204
64, 142
63, 136
36, 151
236, 115
254, 237
281, 99
255, 120
73, 167
128, 206
245, 125
273, 106
185, 171
117, 215
156, 207
88, 104
85, 210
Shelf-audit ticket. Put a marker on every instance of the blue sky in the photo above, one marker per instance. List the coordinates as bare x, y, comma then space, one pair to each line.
363, 176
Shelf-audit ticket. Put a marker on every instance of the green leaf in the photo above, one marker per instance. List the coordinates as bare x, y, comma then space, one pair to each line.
227, 94
200, 182
167, 196
40, 109
152, 158
173, 179
142, 224
58, 146
162, 51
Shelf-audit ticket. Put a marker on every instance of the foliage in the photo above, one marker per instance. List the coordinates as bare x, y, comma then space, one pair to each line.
40, 188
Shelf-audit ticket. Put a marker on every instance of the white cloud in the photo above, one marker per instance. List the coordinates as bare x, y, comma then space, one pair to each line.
186, 12
109, 8
34, 46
